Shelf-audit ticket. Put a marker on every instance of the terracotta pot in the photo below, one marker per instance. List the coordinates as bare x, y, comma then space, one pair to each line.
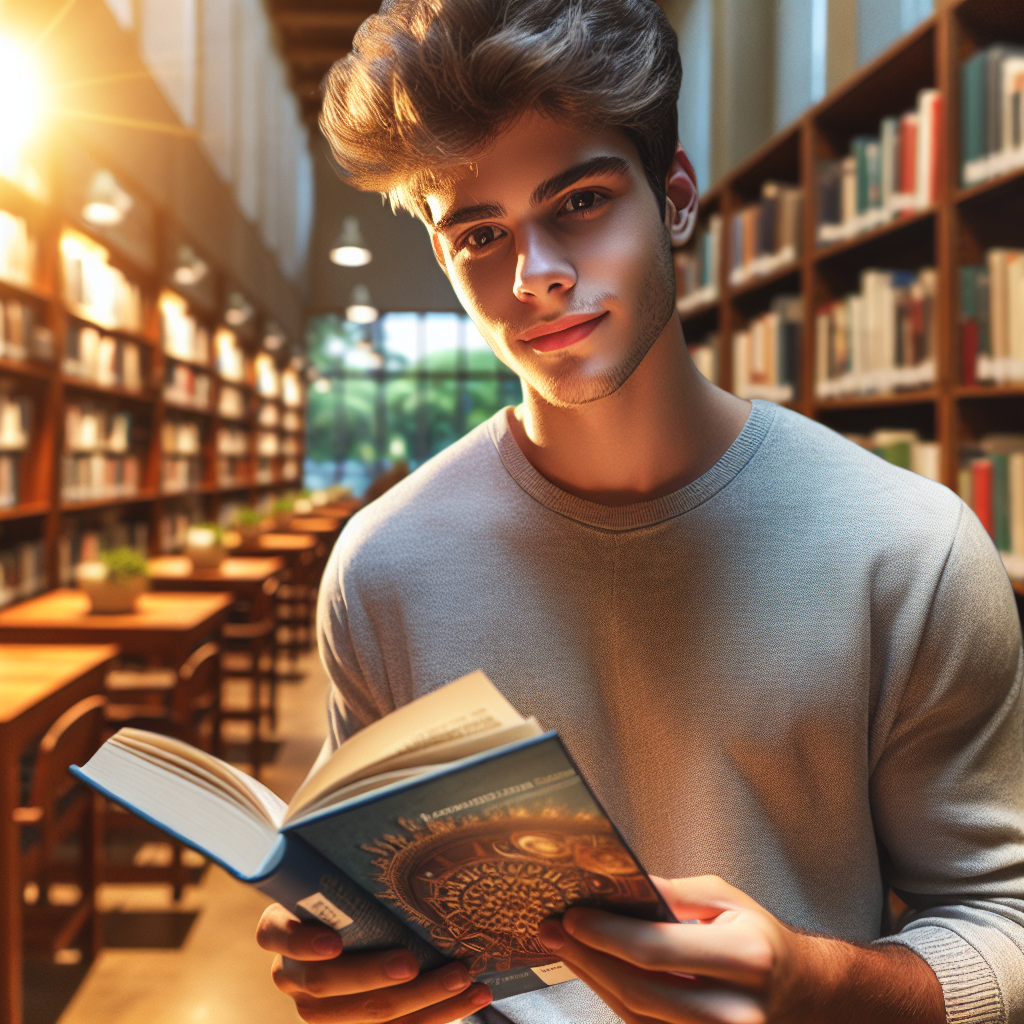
208, 557
249, 531
110, 597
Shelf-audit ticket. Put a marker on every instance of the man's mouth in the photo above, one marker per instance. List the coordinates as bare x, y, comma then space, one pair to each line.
562, 333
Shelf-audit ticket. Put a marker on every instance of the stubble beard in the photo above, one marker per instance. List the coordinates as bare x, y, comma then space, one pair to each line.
575, 385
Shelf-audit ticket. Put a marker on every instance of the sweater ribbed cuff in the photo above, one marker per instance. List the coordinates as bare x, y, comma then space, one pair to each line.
969, 984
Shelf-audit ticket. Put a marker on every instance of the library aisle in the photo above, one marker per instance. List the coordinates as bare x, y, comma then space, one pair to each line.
191, 983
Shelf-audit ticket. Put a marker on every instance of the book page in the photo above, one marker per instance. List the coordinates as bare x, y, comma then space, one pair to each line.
468, 707
200, 814
408, 766
218, 773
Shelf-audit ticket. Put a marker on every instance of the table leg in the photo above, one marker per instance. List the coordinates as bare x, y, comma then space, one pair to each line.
10, 887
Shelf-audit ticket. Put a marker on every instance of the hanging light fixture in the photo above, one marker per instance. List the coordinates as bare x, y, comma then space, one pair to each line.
190, 269
106, 203
350, 249
361, 309
239, 310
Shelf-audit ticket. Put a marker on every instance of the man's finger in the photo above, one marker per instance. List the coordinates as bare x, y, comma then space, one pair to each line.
738, 952
609, 999
703, 897
280, 931
352, 973
657, 995
427, 999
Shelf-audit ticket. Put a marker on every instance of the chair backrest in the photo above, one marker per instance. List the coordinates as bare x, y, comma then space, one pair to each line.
198, 684
72, 739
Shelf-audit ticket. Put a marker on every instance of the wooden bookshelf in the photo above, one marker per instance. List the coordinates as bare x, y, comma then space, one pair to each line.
961, 224
146, 249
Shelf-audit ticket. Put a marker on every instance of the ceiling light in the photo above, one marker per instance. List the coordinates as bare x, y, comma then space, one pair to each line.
106, 203
361, 309
239, 310
350, 249
190, 269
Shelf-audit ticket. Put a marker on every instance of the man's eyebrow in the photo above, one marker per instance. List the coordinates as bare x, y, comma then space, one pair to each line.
596, 165
464, 214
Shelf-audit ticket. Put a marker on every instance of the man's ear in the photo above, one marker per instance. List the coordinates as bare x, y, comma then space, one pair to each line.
681, 190
435, 244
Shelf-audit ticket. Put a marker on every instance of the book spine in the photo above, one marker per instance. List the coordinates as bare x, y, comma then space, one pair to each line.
908, 154
311, 887
972, 111
981, 492
1000, 503
993, 96
1015, 476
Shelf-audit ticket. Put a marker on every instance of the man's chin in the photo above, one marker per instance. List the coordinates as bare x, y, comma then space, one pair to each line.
576, 387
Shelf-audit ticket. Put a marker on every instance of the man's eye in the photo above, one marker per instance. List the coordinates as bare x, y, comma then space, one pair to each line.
478, 238
580, 201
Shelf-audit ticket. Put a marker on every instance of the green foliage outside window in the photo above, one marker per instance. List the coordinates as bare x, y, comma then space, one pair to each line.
402, 389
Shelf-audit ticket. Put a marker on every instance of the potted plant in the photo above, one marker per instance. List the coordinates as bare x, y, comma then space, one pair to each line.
282, 510
303, 504
204, 544
115, 581
249, 523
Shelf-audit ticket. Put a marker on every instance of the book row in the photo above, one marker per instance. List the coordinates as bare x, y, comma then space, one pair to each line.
991, 481
21, 334
765, 236
179, 474
17, 251
89, 428
879, 339
697, 267
22, 572
992, 318
94, 289
766, 355
884, 176
903, 448
97, 476
991, 114
103, 359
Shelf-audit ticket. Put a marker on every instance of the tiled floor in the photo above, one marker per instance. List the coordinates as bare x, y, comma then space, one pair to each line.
218, 975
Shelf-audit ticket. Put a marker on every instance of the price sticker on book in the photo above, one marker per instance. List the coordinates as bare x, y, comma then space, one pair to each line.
324, 910
553, 974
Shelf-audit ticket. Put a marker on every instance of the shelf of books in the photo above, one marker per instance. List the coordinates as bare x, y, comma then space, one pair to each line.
139, 391
866, 266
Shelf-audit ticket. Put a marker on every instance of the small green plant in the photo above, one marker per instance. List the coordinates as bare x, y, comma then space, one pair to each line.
285, 503
248, 517
124, 564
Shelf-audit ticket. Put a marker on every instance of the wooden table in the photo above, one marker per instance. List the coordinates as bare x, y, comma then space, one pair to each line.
339, 509
38, 683
319, 525
284, 545
164, 630
246, 578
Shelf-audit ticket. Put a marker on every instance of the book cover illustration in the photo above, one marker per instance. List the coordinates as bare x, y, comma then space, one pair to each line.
474, 860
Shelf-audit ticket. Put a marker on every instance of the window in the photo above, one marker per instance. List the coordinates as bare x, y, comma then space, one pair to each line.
168, 41
401, 390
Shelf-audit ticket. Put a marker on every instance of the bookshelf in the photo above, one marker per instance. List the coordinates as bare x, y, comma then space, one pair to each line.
105, 330
946, 227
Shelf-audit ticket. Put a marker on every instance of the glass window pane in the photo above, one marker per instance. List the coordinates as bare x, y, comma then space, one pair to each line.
441, 407
400, 341
441, 337
402, 399
479, 357
480, 401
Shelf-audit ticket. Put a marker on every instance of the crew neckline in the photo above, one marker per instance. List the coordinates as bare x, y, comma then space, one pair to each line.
645, 513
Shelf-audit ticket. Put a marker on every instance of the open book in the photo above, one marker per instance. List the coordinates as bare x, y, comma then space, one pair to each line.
451, 827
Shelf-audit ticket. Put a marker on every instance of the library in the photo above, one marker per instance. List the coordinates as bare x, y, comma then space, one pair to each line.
225, 355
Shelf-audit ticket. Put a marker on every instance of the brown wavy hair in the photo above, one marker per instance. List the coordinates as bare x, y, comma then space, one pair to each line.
430, 83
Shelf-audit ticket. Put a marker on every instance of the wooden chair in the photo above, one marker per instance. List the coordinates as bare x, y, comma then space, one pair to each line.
61, 809
189, 710
249, 645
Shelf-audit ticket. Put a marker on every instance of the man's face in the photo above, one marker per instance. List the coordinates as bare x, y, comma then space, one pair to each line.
556, 248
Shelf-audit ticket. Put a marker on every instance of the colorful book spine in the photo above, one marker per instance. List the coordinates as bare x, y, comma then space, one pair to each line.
991, 109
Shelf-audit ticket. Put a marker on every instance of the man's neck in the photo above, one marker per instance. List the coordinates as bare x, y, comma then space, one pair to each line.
661, 430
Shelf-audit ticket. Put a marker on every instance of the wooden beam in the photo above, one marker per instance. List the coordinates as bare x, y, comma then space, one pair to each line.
334, 19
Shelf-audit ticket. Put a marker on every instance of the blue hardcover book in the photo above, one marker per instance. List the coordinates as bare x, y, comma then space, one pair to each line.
450, 828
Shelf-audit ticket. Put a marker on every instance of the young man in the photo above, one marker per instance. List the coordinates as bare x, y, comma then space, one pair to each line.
777, 659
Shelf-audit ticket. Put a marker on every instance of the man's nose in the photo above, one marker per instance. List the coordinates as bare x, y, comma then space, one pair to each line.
542, 269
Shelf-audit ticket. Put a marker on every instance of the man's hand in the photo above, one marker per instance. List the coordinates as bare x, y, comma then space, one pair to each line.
359, 988
739, 965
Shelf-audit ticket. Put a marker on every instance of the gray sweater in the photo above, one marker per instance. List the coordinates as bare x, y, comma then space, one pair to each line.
801, 672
